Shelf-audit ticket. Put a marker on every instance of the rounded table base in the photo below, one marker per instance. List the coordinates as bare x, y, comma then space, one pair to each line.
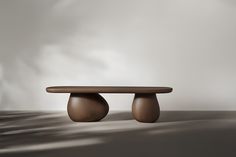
87, 107
145, 108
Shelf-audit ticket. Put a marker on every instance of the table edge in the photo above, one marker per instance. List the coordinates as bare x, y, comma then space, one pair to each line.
108, 89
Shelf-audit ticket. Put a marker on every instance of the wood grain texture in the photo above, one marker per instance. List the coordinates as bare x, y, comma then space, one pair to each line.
107, 89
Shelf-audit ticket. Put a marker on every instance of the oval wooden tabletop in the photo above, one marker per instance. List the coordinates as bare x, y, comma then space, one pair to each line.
107, 89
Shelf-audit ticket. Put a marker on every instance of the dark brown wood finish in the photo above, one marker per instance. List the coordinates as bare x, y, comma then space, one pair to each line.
145, 108
107, 89
86, 105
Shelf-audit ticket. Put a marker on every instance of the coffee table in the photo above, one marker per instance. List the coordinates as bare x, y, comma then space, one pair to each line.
87, 105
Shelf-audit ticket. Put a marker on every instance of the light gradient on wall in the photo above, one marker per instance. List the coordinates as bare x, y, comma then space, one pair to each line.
188, 45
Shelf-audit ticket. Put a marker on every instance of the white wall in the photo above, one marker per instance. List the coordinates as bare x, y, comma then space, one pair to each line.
188, 45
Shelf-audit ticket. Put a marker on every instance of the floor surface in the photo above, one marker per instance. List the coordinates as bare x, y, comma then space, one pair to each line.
176, 133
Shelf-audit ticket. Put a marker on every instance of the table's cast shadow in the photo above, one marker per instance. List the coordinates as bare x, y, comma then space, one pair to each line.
33, 128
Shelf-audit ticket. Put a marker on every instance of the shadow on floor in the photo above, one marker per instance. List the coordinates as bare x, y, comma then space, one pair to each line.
118, 116
173, 116
177, 133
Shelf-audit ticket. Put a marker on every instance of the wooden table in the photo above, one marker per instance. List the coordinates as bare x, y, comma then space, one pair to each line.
86, 104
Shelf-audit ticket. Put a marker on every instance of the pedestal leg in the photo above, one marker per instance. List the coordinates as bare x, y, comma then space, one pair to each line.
145, 108
87, 107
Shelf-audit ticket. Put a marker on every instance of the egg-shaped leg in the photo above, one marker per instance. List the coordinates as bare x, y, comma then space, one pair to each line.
145, 107
87, 107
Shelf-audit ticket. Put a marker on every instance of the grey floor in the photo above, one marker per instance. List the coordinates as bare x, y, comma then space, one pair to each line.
177, 133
